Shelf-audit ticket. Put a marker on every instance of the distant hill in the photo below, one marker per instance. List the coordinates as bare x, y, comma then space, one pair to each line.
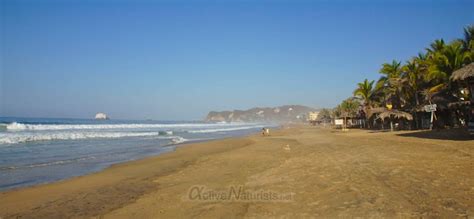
287, 113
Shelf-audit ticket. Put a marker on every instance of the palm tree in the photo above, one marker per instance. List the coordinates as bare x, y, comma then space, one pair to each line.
348, 108
443, 62
391, 69
336, 112
324, 115
437, 45
413, 82
390, 83
365, 91
468, 41
411, 85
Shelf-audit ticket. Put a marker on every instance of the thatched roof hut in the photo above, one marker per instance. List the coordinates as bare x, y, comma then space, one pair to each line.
442, 100
418, 108
463, 73
376, 110
459, 104
396, 114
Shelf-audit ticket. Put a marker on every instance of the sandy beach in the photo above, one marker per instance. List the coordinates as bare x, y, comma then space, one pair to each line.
312, 172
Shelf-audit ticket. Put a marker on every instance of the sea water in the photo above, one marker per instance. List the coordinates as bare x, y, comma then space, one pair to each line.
35, 151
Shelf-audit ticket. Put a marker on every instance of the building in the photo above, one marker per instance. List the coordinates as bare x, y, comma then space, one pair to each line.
465, 77
313, 117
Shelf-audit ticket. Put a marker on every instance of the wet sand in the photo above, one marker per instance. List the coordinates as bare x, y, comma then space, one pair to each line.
321, 173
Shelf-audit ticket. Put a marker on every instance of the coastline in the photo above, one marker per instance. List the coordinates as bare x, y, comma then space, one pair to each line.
39, 151
112, 176
327, 172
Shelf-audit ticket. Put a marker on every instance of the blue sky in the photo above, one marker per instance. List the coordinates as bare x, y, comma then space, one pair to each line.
174, 60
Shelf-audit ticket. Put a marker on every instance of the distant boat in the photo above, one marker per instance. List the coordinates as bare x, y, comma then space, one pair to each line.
101, 116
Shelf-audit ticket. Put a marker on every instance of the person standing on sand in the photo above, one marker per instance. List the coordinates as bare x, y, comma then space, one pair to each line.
263, 131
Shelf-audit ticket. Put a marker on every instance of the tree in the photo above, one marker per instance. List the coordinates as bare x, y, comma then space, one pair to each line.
443, 62
468, 41
364, 91
409, 86
413, 80
336, 112
349, 107
390, 83
324, 115
436, 46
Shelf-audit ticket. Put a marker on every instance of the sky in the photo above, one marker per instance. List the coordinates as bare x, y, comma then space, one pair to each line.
177, 60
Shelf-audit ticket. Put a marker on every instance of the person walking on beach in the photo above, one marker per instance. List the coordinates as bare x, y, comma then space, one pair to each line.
265, 131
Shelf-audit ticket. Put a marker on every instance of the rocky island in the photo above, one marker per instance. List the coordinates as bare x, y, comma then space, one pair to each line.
101, 116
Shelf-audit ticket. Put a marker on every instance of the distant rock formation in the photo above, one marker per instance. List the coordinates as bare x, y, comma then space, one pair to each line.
287, 113
101, 116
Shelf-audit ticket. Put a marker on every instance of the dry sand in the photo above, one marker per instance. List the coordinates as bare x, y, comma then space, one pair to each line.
320, 172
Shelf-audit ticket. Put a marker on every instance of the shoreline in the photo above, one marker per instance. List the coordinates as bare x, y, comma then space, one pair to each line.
327, 172
51, 187
179, 145
44, 166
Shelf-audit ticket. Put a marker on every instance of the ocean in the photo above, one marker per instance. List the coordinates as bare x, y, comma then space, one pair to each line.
35, 151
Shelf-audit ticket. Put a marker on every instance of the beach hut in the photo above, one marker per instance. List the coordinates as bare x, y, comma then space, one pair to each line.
346, 121
394, 114
465, 73
465, 77
372, 116
443, 114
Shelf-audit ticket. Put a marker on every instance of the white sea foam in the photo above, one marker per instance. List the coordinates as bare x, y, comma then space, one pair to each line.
14, 138
224, 129
16, 126
20, 126
165, 132
178, 140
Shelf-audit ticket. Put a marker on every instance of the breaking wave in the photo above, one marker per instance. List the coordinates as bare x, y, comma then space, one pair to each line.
178, 140
14, 138
40, 127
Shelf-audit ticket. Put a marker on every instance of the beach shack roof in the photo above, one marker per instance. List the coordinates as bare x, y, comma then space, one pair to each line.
395, 113
347, 115
418, 108
442, 100
376, 110
463, 73
459, 104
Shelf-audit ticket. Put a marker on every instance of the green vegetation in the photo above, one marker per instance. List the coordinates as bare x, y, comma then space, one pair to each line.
424, 79
324, 115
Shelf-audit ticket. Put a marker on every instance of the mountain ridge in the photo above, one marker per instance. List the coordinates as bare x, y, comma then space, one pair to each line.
285, 113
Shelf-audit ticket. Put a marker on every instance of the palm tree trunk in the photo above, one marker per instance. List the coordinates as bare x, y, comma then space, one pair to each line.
391, 124
365, 116
416, 114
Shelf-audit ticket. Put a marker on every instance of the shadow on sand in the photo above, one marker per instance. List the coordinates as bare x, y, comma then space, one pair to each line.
445, 134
